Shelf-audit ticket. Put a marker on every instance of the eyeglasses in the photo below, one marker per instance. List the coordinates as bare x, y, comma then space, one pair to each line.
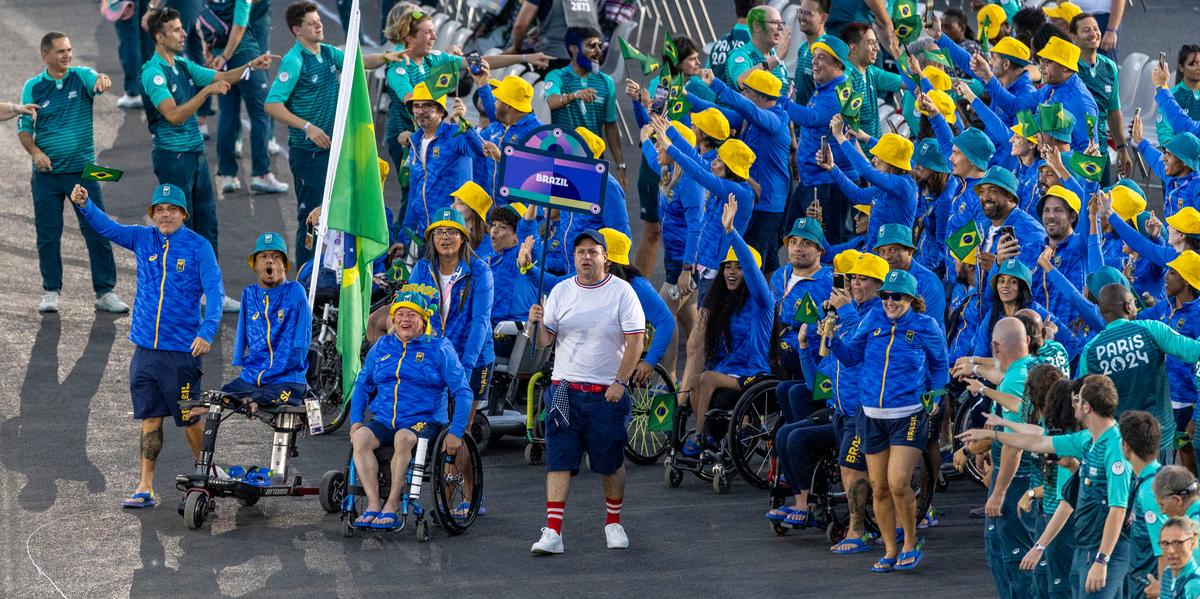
445, 233
804, 12
1175, 545
778, 24
890, 296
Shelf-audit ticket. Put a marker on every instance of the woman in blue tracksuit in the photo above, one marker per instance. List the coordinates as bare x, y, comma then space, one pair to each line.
461, 290
905, 351
733, 337
1011, 291
936, 188
888, 172
861, 217
404, 382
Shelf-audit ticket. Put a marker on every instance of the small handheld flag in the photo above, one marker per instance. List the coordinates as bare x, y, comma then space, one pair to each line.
628, 52
94, 172
442, 79
670, 52
1029, 123
1052, 117
822, 388
807, 311
964, 241
662, 413
984, 47
1088, 167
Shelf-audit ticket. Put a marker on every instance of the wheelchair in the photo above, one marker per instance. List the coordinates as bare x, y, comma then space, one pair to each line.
202, 487
743, 423
456, 503
504, 411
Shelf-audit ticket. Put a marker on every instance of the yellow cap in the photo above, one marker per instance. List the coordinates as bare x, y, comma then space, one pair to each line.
870, 265
845, 261
515, 92
1013, 47
1066, 195
945, 105
713, 123
1065, 11
421, 93
937, 78
1018, 130
687, 133
737, 156
1061, 51
730, 256
475, 197
895, 150
1188, 267
1126, 202
826, 48
618, 245
995, 16
594, 142
1186, 221
763, 82
863, 208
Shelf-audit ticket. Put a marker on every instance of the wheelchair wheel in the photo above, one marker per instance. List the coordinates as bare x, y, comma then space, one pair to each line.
457, 487
751, 441
964, 412
325, 381
195, 510
924, 482
644, 446
332, 491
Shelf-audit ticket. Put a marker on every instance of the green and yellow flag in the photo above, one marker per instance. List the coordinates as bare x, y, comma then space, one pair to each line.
442, 79
1029, 123
964, 242
678, 105
670, 52
1053, 117
1088, 167
807, 311
95, 172
822, 388
628, 52
984, 46
662, 413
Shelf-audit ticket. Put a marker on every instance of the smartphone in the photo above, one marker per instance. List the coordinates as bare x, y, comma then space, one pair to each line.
824, 147
658, 105
1009, 231
474, 63
839, 281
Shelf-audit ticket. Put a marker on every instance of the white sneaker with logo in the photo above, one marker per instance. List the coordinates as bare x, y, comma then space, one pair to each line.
230, 305
49, 302
615, 535
273, 147
229, 184
267, 184
129, 102
111, 302
549, 544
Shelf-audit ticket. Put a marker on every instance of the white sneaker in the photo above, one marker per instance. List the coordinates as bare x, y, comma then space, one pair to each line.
111, 302
230, 305
237, 148
273, 147
550, 543
49, 302
129, 102
267, 184
615, 535
229, 184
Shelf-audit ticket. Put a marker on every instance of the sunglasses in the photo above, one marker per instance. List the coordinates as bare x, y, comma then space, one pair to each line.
891, 296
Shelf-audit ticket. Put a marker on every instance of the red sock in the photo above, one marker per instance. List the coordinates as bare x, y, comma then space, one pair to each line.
554, 515
613, 509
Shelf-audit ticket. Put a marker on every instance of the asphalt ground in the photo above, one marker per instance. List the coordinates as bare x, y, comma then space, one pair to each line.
68, 443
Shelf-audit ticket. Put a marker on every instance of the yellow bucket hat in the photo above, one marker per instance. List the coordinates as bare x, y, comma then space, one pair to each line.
515, 92
1061, 51
685, 131
1011, 48
1018, 130
618, 245
737, 156
1188, 267
937, 78
1065, 11
713, 123
475, 197
421, 92
995, 16
731, 256
1066, 195
1126, 202
1186, 221
870, 265
763, 82
594, 142
895, 150
945, 105
844, 262
863, 208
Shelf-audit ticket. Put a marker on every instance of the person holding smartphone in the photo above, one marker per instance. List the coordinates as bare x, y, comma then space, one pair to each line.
1008, 232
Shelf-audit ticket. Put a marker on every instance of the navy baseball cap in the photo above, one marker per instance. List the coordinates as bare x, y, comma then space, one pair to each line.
592, 234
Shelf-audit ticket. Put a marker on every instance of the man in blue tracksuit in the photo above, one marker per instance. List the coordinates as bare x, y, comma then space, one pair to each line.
997, 192
175, 266
968, 155
510, 108
274, 330
1059, 208
1006, 63
440, 159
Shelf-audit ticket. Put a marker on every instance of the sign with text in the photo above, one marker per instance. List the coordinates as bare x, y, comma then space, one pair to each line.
553, 180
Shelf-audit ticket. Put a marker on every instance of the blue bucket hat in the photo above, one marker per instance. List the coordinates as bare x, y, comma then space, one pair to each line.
999, 177
1103, 277
1015, 268
810, 229
975, 145
270, 242
929, 156
899, 281
448, 217
894, 234
168, 194
1186, 147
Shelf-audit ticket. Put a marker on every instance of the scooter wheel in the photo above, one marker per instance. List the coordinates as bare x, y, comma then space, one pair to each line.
195, 509
533, 454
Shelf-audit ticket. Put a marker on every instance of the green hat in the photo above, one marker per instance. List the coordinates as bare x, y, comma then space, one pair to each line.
929, 156
1015, 268
1103, 277
168, 194
1055, 121
447, 217
833, 45
412, 300
899, 281
1186, 147
1000, 177
894, 234
810, 229
976, 146
270, 242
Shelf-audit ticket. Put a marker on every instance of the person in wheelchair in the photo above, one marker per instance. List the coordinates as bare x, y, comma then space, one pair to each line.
729, 349
795, 284
800, 444
906, 353
410, 364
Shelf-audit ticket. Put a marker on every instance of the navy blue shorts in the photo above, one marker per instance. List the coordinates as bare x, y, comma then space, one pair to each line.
291, 394
880, 434
850, 450
481, 383
672, 268
387, 435
1182, 417
596, 426
159, 380
703, 286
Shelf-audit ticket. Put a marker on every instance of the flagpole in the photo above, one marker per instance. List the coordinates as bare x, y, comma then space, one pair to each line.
335, 147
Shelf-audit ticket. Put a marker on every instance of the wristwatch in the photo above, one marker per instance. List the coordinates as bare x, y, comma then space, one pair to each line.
1031, 494
1039, 547
1102, 559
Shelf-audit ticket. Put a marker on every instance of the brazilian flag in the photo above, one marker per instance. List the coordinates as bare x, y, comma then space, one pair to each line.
1091, 126
1029, 123
442, 79
95, 172
649, 65
964, 241
807, 310
852, 109
670, 52
662, 413
678, 105
931, 399
1088, 167
984, 46
1052, 117
905, 21
822, 388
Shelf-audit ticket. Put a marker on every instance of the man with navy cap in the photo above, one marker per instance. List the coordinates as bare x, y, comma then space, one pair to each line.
175, 267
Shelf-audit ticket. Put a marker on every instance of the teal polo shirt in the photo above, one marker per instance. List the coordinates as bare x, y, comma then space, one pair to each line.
63, 128
1104, 480
179, 82
307, 85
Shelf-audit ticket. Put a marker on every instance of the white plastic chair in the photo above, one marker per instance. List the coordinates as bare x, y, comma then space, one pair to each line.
540, 107
1129, 74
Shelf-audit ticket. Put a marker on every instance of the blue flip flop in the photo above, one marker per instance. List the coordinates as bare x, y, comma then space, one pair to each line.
857, 545
392, 526
800, 521
461, 510
915, 555
884, 565
140, 500
371, 515
780, 517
